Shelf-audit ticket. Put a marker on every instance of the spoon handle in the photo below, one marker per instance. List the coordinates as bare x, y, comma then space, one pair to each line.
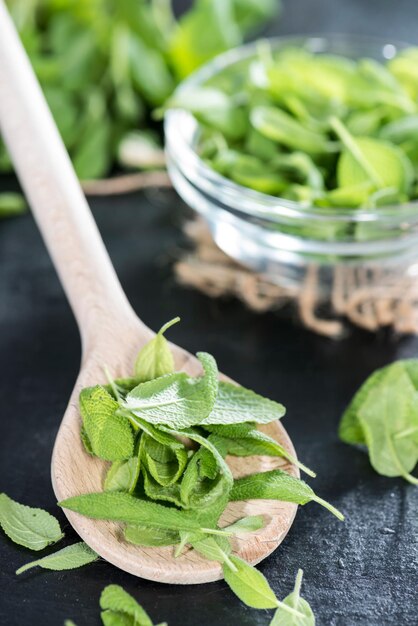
54, 193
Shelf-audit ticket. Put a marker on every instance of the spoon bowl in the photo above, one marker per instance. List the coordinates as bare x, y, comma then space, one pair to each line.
111, 333
75, 472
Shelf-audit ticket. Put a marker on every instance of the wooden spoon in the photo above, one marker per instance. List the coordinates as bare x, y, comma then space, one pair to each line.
110, 331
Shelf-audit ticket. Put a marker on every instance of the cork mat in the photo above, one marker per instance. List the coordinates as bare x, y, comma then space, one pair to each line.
371, 298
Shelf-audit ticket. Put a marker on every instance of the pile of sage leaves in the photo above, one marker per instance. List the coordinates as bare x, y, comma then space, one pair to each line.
166, 435
319, 129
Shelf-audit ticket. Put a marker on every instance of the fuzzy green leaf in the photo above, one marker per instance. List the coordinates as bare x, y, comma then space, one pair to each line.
372, 160
176, 400
123, 475
213, 548
151, 537
156, 491
236, 404
279, 126
165, 464
245, 440
110, 435
121, 507
249, 585
247, 524
33, 528
350, 429
155, 359
293, 600
277, 485
71, 557
114, 598
389, 420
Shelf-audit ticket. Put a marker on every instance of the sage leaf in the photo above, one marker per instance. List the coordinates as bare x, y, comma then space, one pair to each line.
202, 33
214, 549
86, 441
277, 485
205, 443
248, 441
277, 125
247, 524
400, 130
350, 430
110, 435
12, 204
71, 557
176, 400
155, 359
249, 585
30, 527
121, 507
367, 159
151, 537
235, 404
156, 491
123, 475
294, 600
116, 600
165, 464
389, 420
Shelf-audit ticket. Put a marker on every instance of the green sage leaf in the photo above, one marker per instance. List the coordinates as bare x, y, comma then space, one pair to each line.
294, 600
121, 507
249, 584
236, 404
151, 537
110, 435
176, 400
33, 528
71, 557
115, 599
155, 359
277, 485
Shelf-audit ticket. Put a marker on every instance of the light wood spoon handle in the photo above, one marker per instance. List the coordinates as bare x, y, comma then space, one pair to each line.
55, 195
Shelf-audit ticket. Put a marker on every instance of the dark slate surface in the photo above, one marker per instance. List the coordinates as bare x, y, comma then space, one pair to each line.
363, 572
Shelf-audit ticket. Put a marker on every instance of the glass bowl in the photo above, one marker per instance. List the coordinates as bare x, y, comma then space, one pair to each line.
267, 233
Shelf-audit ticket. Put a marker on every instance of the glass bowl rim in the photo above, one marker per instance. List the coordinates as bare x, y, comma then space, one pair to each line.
264, 203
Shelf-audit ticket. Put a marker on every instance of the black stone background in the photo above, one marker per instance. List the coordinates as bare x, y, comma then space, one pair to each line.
362, 572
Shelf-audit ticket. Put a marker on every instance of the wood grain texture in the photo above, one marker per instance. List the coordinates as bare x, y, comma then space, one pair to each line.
111, 333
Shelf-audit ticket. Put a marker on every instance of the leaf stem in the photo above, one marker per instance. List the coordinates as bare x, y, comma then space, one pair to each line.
228, 561
289, 609
351, 145
27, 566
298, 583
298, 464
112, 384
168, 325
328, 506
217, 531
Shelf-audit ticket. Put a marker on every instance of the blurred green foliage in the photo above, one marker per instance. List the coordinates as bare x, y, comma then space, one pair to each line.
105, 64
